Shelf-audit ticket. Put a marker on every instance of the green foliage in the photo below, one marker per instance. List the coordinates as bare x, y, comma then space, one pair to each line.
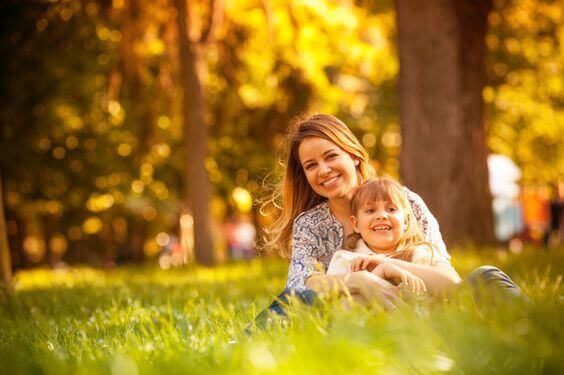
90, 110
525, 96
192, 321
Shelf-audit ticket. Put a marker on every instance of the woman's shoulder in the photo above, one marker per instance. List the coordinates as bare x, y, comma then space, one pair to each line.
419, 207
413, 197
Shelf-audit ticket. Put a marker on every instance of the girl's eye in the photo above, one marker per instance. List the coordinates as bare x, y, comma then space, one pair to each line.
392, 209
369, 210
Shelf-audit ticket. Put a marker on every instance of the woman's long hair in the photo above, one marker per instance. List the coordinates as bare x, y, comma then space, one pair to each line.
293, 195
386, 189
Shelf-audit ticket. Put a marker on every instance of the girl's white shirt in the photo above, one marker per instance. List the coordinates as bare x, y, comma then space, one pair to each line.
342, 260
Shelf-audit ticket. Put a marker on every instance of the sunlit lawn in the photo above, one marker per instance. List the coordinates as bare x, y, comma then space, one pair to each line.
192, 320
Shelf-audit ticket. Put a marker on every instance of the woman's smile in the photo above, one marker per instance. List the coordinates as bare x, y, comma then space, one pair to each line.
330, 182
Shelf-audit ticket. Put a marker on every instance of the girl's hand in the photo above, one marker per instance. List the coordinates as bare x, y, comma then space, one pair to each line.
401, 278
366, 262
372, 288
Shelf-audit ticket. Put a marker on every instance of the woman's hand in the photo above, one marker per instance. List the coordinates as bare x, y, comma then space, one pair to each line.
401, 277
367, 262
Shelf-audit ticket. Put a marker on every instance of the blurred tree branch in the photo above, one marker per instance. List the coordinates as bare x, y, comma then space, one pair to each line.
5, 258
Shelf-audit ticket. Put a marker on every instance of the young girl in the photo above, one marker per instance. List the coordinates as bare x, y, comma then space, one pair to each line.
388, 242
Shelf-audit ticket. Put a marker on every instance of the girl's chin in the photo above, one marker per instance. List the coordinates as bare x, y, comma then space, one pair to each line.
380, 244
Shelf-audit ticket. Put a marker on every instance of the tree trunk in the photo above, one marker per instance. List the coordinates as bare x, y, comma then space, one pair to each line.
197, 183
442, 74
5, 260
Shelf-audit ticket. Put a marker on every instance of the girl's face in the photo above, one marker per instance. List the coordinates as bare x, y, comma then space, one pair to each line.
380, 224
329, 170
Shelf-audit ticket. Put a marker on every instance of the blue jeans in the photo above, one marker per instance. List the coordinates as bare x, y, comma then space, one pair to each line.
490, 282
278, 306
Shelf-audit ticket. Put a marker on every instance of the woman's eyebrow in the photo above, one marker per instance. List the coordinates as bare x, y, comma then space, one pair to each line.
325, 153
328, 151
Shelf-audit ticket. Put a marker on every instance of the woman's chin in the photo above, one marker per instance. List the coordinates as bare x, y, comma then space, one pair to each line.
337, 192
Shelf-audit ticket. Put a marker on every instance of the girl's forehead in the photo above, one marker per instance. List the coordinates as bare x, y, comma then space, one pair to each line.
375, 202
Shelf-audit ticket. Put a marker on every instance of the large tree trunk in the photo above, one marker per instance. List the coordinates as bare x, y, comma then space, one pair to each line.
195, 139
5, 260
442, 74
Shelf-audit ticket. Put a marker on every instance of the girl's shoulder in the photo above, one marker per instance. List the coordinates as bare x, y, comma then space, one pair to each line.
427, 254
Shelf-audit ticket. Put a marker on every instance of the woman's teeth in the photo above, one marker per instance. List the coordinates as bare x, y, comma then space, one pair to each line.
330, 181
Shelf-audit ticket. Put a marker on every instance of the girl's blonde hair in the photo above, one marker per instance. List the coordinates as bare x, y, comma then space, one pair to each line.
386, 189
294, 195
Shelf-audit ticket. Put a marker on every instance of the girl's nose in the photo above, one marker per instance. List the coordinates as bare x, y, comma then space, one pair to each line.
381, 214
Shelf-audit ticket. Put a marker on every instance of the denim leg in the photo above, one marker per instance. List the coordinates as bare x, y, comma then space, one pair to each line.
492, 281
278, 306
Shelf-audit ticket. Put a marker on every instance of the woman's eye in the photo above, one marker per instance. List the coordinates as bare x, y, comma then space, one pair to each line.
332, 156
309, 167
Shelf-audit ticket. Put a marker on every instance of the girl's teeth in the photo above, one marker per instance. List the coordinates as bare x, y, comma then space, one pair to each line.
382, 229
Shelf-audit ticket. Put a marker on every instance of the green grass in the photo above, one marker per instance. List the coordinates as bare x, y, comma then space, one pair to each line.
192, 320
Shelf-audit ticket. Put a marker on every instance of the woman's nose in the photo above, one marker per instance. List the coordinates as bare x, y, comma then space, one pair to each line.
324, 169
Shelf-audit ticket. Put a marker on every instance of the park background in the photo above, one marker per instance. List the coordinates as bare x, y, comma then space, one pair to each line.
141, 135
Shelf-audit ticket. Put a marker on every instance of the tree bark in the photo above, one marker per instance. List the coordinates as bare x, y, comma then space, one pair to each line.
5, 259
442, 74
197, 183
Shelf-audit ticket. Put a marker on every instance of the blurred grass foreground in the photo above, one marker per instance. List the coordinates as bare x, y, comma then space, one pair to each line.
192, 320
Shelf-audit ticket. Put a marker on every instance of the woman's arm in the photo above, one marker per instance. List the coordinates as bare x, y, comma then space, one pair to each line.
306, 250
441, 279
371, 287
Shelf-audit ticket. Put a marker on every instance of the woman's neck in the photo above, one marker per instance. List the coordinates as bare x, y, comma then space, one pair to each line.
341, 207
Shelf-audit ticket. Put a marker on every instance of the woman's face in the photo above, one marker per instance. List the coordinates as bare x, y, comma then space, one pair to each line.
330, 171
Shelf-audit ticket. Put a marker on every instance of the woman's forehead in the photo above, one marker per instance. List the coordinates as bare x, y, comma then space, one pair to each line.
314, 147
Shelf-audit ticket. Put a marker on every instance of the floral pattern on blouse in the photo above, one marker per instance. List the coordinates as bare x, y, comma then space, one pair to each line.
317, 234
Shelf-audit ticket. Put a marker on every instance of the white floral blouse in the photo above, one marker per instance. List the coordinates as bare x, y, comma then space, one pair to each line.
317, 234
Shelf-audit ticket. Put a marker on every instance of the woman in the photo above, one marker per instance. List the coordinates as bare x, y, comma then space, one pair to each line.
325, 165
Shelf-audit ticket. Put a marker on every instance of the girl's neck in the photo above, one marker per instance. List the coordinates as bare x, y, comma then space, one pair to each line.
381, 251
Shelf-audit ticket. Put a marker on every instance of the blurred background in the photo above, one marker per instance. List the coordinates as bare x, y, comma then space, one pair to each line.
110, 109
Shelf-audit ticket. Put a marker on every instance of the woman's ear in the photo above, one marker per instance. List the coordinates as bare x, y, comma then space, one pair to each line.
354, 223
356, 161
